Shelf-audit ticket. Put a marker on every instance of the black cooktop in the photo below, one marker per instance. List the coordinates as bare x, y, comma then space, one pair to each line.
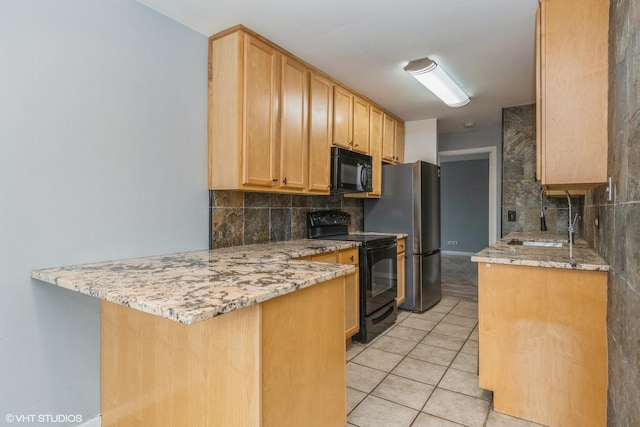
334, 225
364, 238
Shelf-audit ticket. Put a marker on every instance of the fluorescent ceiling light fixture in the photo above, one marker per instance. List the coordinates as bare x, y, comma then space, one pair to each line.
437, 81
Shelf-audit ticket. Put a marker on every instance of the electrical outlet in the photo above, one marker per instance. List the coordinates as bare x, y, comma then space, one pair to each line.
452, 242
511, 216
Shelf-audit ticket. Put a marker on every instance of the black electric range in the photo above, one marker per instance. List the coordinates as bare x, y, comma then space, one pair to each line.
378, 264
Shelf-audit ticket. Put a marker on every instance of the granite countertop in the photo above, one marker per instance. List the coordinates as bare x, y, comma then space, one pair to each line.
193, 286
584, 257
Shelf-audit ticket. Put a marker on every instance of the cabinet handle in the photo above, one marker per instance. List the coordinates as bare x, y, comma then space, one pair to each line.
351, 258
275, 180
357, 145
284, 181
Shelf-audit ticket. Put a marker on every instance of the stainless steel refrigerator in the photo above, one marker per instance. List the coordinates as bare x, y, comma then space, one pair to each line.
410, 204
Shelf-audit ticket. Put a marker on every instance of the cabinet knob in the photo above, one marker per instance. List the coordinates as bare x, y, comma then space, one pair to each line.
274, 180
284, 181
351, 258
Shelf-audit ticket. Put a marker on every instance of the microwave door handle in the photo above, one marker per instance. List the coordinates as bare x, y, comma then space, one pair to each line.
363, 177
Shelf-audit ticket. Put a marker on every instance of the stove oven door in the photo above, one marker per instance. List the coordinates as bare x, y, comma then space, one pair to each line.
380, 274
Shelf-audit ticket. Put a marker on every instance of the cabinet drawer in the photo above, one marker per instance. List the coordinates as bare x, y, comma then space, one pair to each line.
328, 257
349, 256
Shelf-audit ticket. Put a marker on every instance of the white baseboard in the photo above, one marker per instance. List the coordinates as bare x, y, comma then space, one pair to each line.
93, 422
458, 253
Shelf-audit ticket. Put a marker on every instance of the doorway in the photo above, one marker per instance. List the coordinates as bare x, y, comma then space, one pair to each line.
469, 215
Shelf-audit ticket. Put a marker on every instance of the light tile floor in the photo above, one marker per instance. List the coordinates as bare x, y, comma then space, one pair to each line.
422, 372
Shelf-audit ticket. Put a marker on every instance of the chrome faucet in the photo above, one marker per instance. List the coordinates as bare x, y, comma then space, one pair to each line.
572, 225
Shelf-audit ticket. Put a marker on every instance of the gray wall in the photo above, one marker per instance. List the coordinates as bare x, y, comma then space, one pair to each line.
618, 238
489, 137
103, 136
465, 205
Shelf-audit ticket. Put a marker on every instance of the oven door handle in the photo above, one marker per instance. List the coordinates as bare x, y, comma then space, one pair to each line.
383, 316
384, 247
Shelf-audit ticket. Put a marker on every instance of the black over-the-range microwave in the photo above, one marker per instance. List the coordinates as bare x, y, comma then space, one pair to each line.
350, 171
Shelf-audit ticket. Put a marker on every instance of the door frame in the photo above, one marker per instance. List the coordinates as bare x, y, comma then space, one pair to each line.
493, 181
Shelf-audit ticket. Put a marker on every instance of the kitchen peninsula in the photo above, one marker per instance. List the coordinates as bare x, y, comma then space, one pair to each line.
244, 336
542, 329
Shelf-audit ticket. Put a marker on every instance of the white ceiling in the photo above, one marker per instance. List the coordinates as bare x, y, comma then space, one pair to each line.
486, 46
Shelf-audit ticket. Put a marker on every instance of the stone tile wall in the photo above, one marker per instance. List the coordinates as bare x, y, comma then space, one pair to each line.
520, 191
239, 218
617, 238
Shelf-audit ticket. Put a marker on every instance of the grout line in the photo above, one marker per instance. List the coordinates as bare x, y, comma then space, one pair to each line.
405, 356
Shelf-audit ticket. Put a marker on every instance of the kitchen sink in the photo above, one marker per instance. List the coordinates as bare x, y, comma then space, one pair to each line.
537, 243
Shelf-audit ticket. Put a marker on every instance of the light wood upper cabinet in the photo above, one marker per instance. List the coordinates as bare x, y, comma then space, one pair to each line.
350, 121
572, 85
261, 73
273, 119
399, 142
360, 125
392, 140
320, 129
389, 139
375, 147
244, 79
342, 117
294, 144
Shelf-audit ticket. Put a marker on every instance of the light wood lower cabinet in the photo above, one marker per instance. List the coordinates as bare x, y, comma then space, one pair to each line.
351, 293
542, 343
401, 271
277, 363
351, 287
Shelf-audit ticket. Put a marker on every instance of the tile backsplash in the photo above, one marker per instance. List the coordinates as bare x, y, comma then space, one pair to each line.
613, 226
520, 190
242, 218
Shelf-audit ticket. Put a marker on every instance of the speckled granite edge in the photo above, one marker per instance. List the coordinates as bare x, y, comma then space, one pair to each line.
584, 258
194, 286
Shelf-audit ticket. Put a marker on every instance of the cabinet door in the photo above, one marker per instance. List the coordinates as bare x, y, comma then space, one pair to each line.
401, 271
320, 128
388, 138
293, 120
399, 149
538, 99
574, 92
259, 155
360, 125
375, 148
342, 117
351, 294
